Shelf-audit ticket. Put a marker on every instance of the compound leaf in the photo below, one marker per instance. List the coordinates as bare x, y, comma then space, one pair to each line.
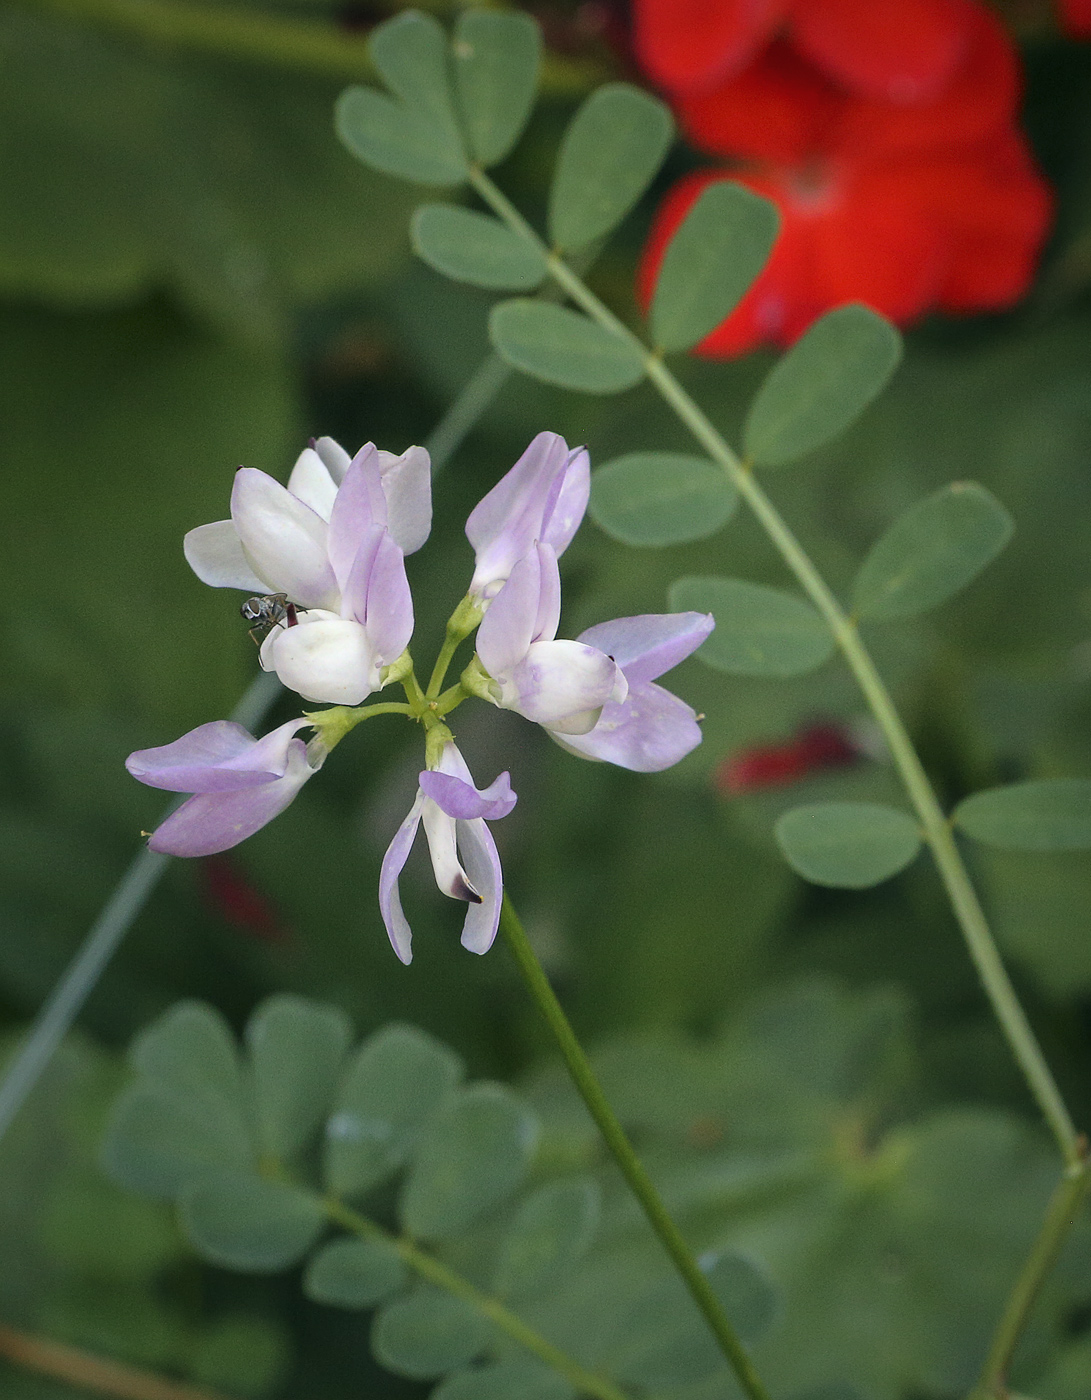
564, 347
661, 498
496, 60
475, 248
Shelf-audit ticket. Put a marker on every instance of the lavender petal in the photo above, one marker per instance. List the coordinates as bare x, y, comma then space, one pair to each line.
461, 799
649, 730
651, 643
390, 904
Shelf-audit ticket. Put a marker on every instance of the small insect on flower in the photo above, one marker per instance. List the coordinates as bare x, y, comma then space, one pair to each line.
265, 613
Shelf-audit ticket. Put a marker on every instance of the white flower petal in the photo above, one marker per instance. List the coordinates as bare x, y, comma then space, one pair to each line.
283, 539
407, 485
323, 658
214, 553
312, 483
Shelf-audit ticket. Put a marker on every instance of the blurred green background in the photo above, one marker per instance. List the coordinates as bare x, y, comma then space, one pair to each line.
195, 275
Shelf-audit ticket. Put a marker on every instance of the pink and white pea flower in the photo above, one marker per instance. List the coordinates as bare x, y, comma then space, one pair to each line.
238, 783
649, 729
561, 684
333, 542
542, 499
464, 857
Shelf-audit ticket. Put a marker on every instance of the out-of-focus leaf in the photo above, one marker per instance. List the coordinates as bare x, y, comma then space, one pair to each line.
475, 248
720, 247
247, 1355
397, 1082
395, 139
496, 57
661, 498
822, 384
1053, 815
354, 1274
931, 552
248, 1223
666, 1342
217, 180
472, 1157
848, 844
759, 631
609, 156
505, 1380
564, 347
296, 1048
158, 1140
551, 1229
427, 1333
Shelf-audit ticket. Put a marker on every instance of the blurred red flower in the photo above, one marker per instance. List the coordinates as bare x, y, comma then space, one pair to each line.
1076, 18
815, 749
900, 175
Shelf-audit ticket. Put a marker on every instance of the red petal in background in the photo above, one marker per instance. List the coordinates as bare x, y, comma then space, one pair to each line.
1076, 18
690, 45
779, 109
894, 50
982, 97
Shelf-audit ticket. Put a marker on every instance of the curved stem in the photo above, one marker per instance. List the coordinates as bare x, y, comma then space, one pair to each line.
430, 1268
640, 1183
937, 832
1061, 1213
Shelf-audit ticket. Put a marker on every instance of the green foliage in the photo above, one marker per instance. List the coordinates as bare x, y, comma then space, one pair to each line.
931, 552
821, 385
608, 157
552, 1228
661, 498
244, 1222
848, 844
1053, 815
496, 56
472, 1157
564, 347
427, 1333
716, 253
475, 248
348, 1273
397, 1081
506, 1380
759, 631
296, 1049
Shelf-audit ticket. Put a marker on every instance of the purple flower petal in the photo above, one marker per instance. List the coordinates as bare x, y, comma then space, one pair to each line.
507, 521
407, 485
651, 643
390, 904
563, 685
649, 730
360, 504
218, 757
355, 583
461, 799
214, 553
389, 614
283, 539
479, 855
212, 822
507, 629
451, 879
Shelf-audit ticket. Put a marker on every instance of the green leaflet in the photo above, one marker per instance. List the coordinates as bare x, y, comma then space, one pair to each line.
496, 55
848, 844
564, 347
609, 156
248, 1223
472, 1157
350, 1273
931, 552
759, 631
719, 249
296, 1048
475, 248
661, 498
428, 1333
1051, 815
551, 1229
822, 384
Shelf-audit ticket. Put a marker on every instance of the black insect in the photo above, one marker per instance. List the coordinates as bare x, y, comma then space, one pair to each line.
273, 610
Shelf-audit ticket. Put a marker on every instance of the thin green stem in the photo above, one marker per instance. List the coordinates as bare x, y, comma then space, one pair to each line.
430, 1268
640, 1183
937, 831
451, 643
1061, 1214
270, 41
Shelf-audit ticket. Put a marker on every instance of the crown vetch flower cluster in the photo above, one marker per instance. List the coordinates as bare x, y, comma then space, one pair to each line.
885, 134
326, 558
